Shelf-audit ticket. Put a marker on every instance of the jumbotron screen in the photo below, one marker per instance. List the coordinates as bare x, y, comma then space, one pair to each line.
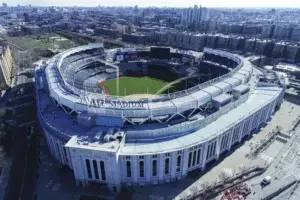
125, 55
160, 53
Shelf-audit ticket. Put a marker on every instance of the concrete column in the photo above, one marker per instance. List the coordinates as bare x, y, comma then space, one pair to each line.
247, 123
254, 122
55, 149
209, 150
270, 110
185, 160
227, 140
173, 164
50, 145
148, 167
259, 116
230, 139
194, 157
264, 114
69, 158
273, 109
135, 167
215, 151
161, 168
241, 127
251, 122
99, 169
92, 168
203, 156
199, 154
79, 168
113, 173
62, 153
218, 146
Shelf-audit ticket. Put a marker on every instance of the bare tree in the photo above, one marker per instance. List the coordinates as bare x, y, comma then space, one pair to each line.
2, 136
204, 185
2, 156
2, 113
2, 125
279, 129
242, 168
223, 176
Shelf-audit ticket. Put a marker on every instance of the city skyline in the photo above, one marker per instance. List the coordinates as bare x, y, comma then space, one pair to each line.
160, 3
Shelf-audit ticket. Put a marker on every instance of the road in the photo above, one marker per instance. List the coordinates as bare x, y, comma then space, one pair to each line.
24, 164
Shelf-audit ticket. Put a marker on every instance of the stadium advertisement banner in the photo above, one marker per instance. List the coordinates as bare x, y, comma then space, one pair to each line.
128, 54
127, 50
119, 58
104, 103
186, 59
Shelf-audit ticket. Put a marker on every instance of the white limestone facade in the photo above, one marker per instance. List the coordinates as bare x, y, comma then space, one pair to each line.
97, 145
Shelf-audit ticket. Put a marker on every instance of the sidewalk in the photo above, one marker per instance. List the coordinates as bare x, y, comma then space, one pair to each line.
234, 162
4, 178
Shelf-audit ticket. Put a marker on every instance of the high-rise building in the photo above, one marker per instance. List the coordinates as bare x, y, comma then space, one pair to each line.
194, 15
6, 65
4, 5
282, 32
267, 31
295, 34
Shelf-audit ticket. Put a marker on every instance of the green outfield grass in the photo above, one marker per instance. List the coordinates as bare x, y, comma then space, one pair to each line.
134, 85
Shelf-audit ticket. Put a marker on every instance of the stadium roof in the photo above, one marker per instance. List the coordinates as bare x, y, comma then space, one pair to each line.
257, 100
222, 98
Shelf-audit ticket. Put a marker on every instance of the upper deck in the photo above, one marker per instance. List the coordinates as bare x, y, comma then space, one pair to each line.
79, 100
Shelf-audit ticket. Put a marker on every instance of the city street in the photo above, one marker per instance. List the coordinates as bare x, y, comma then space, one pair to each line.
22, 114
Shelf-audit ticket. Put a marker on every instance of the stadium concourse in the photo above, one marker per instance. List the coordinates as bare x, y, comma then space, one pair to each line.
219, 100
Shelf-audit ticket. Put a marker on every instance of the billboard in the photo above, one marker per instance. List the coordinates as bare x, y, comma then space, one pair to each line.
160, 53
125, 55
119, 58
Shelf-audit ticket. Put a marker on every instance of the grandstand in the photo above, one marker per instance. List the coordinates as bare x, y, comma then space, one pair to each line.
212, 102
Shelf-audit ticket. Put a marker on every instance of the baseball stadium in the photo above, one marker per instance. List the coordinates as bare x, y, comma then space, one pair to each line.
127, 116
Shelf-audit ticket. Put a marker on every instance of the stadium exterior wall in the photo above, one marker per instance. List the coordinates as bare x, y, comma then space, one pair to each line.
115, 167
126, 164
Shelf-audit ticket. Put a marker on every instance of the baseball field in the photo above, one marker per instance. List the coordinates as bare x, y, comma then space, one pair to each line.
133, 85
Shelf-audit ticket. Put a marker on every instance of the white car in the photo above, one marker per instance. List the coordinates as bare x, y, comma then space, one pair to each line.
266, 180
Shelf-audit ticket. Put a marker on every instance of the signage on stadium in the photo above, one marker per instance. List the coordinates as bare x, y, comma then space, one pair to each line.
126, 50
102, 103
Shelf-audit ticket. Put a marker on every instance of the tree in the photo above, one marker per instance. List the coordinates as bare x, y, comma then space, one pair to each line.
223, 176
2, 156
279, 128
204, 185
2, 125
2, 136
2, 113
242, 168
2, 86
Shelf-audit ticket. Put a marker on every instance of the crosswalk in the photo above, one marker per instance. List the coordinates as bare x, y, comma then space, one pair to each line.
292, 170
292, 167
291, 153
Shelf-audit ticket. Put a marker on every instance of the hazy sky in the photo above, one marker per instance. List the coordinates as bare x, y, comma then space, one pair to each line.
171, 3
